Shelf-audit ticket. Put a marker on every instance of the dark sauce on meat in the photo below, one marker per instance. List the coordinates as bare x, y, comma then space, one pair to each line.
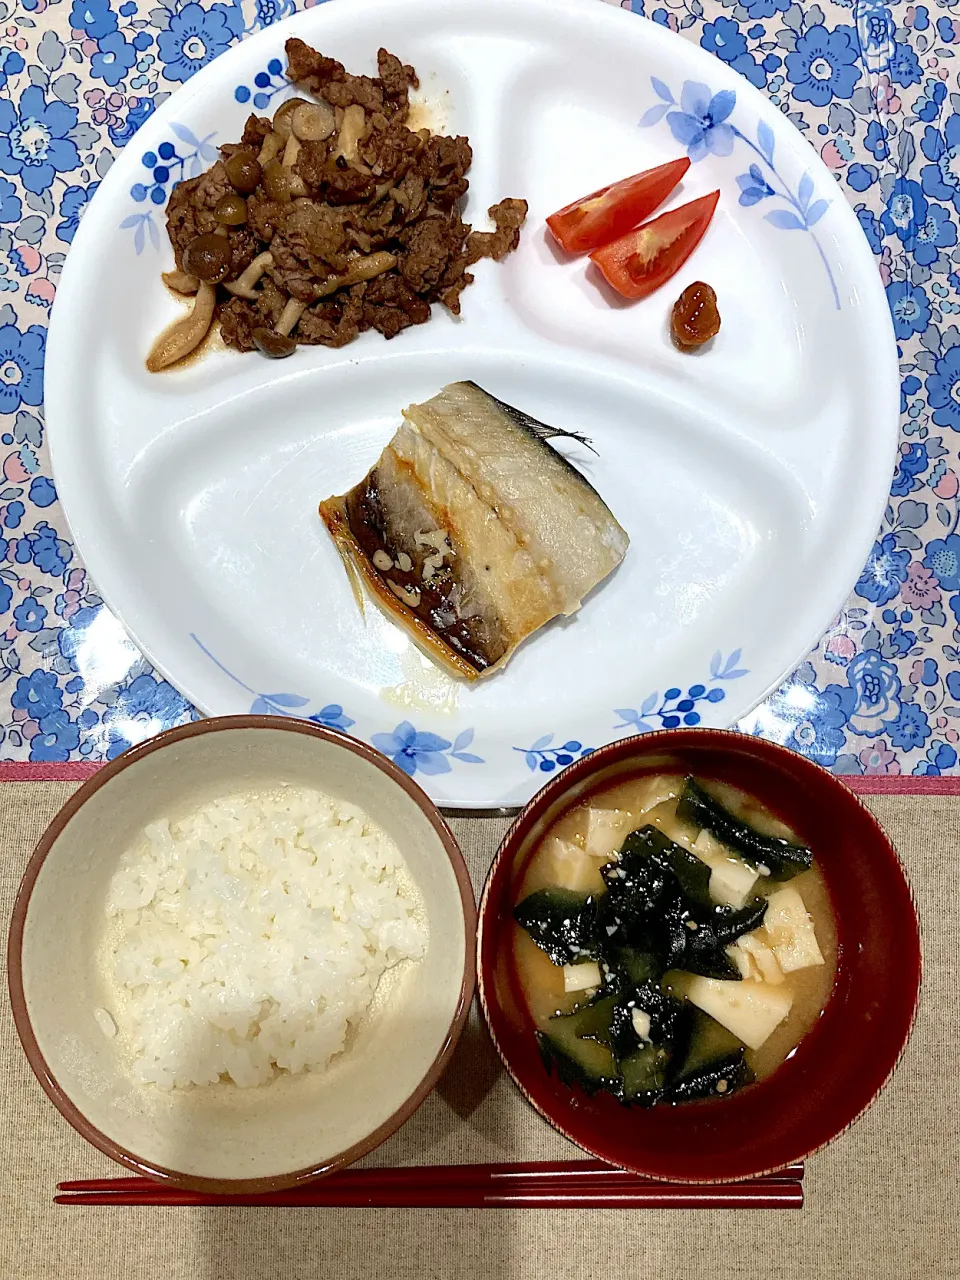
398, 192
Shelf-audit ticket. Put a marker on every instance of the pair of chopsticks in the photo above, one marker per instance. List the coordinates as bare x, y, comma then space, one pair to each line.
563, 1184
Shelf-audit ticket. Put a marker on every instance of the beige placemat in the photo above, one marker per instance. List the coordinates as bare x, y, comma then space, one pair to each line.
883, 1203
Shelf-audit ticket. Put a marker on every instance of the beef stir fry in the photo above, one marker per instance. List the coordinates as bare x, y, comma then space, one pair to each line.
332, 218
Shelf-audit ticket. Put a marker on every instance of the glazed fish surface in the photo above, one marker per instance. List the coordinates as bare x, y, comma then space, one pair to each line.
472, 531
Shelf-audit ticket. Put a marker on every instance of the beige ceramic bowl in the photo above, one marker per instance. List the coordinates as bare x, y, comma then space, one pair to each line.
221, 1138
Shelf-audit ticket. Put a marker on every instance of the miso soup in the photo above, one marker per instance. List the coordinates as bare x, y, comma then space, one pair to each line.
675, 941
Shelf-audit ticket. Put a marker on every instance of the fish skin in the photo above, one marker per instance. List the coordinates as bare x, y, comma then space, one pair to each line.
528, 535
334, 516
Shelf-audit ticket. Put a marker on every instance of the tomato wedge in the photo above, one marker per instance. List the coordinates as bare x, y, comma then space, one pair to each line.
608, 213
644, 259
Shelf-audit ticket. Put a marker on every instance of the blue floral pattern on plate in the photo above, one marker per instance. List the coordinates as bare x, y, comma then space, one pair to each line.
165, 168
418, 751
541, 755
701, 123
282, 704
872, 85
428, 752
266, 85
408, 747
677, 708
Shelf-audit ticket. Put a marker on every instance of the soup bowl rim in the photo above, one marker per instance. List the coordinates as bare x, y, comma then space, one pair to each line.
597, 762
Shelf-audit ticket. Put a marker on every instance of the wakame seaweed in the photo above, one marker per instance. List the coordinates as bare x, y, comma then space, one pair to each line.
720, 1076
630, 1037
666, 1012
705, 954
586, 1063
597, 1045
657, 907
561, 922
783, 858
623, 965
636, 881
691, 873
580, 1043
729, 924
643, 1075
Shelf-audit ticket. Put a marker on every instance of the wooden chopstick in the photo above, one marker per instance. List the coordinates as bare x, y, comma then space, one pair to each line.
784, 1195
584, 1184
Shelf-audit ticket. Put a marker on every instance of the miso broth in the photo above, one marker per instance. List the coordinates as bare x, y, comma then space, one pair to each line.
616, 954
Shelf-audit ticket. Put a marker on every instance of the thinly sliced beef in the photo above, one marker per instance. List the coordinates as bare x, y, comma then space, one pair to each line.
392, 190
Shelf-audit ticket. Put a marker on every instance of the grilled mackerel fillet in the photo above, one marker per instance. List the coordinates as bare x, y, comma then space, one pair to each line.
472, 531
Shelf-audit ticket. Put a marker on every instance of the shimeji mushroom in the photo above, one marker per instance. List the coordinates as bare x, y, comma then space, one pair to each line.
289, 316
374, 264
275, 345
180, 281
276, 342
281, 183
231, 210
243, 171
186, 334
208, 257
313, 121
290, 152
242, 287
283, 117
269, 149
351, 132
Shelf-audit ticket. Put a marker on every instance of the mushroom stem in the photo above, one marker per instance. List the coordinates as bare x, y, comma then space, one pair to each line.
351, 131
290, 151
289, 317
374, 264
269, 149
186, 334
180, 281
242, 287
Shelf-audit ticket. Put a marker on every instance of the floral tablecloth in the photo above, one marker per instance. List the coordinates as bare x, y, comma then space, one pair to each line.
874, 87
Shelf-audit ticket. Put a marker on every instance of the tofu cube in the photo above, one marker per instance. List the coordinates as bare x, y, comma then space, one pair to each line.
745, 963
582, 976
608, 828
768, 969
789, 931
606, 831
658, 789
731, 879
641, 1023
571, 868
751, 1010
731, 882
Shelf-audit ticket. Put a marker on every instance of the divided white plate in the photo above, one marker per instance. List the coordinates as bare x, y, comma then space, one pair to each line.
750, 477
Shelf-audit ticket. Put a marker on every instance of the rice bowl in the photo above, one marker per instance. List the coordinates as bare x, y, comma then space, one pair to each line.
80, 1031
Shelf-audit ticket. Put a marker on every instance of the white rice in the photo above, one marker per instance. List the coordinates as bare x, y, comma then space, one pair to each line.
251, 936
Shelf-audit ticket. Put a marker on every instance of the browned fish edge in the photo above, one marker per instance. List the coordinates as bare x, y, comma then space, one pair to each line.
333, 513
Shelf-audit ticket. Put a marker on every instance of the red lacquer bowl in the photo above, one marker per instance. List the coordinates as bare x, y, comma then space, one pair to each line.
840, 1065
